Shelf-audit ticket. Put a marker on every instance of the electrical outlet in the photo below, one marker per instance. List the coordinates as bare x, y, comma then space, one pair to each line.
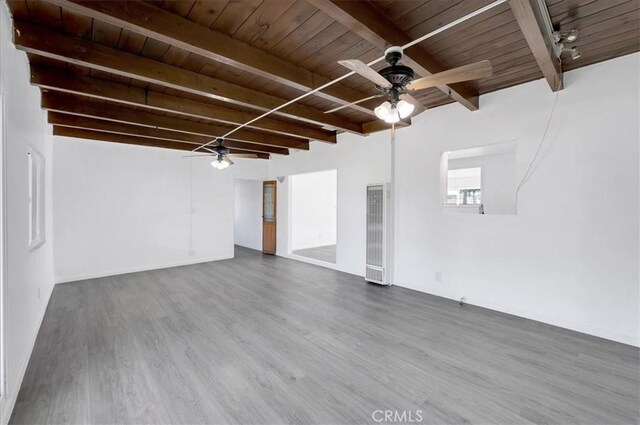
192, 253
438, 277
38, 292
193, 210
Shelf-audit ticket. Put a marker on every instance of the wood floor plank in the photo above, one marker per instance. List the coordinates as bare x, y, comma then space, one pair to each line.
323, 253
266, 340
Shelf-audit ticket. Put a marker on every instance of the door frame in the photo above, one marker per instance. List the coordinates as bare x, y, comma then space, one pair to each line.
259, 183
289, 219
275, 216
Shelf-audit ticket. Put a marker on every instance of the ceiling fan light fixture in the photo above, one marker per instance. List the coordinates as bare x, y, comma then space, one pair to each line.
387, 112
219, 165
405, 108
383, 110
393, 116
221, 162
392, 113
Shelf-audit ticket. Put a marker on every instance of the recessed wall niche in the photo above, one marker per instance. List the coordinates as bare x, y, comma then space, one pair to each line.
480, 180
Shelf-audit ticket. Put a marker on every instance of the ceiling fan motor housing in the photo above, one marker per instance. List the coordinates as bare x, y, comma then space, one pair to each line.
398, 75
219, 148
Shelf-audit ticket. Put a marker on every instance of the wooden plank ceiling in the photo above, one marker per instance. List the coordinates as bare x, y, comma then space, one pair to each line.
176, 74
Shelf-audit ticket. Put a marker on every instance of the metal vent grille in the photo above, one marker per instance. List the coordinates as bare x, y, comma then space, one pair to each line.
375, 233
374, 274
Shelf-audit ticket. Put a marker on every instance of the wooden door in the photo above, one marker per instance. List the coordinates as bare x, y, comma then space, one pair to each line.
269, 203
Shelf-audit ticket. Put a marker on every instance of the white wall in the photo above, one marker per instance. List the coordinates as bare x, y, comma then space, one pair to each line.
247, 213
122, 208
570, 255
314, 208
29, 274
358, 161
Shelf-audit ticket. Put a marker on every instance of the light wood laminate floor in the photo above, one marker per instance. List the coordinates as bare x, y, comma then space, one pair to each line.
266, 340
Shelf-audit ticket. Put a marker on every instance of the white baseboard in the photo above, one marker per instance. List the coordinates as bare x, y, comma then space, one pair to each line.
66, 279
9, 402
532, 315
255, 248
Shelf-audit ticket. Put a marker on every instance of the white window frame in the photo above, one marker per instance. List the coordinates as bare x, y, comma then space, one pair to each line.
35, 180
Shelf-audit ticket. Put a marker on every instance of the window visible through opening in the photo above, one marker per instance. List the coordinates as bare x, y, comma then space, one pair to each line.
464, 186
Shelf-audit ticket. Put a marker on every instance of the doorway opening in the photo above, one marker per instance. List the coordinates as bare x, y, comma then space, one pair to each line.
247, 213
314, 215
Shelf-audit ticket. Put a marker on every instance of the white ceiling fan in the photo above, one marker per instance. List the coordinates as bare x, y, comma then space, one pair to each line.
396, 82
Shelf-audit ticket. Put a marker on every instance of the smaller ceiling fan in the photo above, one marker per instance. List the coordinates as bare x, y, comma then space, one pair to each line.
396, 82
221, 154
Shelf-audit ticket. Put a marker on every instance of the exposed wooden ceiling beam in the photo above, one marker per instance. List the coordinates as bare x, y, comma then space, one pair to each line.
134, 140
530, 18
44, 42
74, 105
53, 79
76, 121
160, 24
362, 18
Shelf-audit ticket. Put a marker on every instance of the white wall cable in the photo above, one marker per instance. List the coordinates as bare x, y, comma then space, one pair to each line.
527, 174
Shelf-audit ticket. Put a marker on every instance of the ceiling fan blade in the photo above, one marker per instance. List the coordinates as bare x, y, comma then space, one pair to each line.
353, 103
361, 68
243, 155
233, 155
198, 156
418, 107
472, 71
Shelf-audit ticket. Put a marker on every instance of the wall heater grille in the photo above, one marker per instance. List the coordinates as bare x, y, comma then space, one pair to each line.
376, 233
